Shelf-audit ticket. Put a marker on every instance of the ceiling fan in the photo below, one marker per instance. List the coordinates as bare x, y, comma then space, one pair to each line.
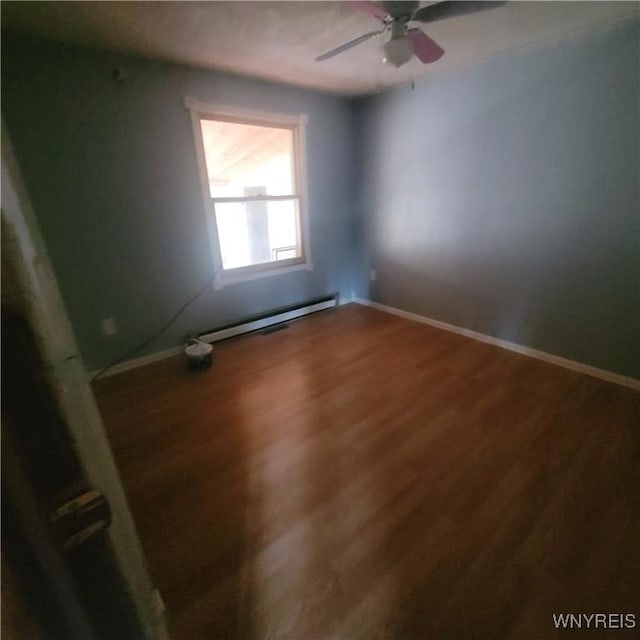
406, 41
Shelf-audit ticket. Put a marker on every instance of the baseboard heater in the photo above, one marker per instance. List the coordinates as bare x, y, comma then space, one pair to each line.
270, 318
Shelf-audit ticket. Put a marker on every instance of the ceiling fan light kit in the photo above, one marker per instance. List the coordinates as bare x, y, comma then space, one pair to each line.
397, 51
405, 42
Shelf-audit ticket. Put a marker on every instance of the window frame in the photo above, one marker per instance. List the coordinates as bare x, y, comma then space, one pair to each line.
297, 124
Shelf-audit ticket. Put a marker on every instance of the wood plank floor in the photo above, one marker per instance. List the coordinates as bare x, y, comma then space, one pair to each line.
361, 476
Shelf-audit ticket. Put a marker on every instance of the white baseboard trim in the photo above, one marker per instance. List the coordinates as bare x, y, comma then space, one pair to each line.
580, 367
134, 363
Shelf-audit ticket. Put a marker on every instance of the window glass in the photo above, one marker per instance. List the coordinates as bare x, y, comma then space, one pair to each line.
244, 157
257, 232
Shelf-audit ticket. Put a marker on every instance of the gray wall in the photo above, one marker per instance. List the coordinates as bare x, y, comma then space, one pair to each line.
505, 197
111, 169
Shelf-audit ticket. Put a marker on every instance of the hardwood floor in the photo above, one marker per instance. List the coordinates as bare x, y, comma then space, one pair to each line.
361, 476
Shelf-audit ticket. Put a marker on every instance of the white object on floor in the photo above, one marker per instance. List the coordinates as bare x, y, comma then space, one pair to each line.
198, 353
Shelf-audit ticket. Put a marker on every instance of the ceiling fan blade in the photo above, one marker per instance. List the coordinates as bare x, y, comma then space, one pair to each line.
372, 8
349, 45
452, 8
426, 49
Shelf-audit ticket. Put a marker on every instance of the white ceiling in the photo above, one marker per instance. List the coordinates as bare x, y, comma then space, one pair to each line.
279, 40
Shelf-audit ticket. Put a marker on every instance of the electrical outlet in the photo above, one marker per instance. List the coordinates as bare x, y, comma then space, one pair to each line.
373, 275
109, 326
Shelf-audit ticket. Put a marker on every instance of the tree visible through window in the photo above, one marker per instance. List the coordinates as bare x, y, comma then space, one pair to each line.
253, 178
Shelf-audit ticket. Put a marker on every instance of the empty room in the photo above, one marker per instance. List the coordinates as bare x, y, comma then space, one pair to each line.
320, 320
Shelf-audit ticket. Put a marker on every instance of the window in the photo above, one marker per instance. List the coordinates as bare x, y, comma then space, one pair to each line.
251, 166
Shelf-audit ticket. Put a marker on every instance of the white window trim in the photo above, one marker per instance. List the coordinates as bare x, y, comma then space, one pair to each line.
223, 278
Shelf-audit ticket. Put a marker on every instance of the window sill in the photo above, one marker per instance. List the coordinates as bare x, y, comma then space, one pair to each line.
226, 278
